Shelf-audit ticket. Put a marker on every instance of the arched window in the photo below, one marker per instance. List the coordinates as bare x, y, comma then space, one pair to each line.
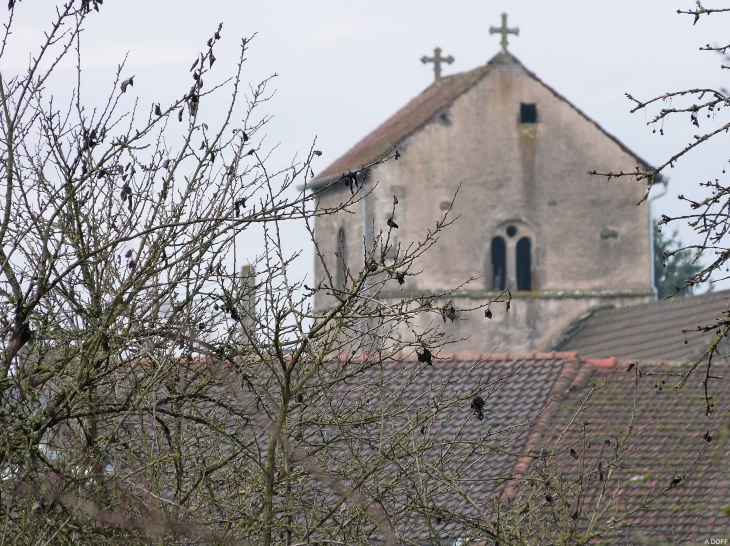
341, 273
513, 244
523, 253
499, 264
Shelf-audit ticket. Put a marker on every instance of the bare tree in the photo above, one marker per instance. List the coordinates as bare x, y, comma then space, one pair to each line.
147, 388
151, 393
704, 109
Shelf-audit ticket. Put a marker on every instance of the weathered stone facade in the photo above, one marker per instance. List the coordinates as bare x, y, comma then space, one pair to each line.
530, 217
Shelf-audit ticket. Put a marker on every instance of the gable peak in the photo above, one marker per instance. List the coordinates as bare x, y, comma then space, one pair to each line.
503, 58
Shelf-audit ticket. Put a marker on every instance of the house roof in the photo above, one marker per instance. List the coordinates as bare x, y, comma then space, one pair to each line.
502, 380
409, 392
419, 112
499, 379
650, 331
667, 440
551, 391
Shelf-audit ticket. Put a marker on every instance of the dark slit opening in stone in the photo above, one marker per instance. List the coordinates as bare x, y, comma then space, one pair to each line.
341, 264
524, 264
499, 264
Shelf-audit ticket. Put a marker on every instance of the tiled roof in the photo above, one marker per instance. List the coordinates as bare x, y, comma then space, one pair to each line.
506, 381
414, 115
515, 391
500, 379
666, 441
420, 111
650, 331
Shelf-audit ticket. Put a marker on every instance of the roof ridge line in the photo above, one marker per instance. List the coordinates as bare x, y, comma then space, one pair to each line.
471, 77
477, 357
609, 362
371, 146
558, 390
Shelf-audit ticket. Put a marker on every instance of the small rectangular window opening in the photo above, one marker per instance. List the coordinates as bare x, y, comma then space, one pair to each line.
528, 113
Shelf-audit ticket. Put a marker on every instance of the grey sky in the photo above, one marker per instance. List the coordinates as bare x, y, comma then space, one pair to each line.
345, 66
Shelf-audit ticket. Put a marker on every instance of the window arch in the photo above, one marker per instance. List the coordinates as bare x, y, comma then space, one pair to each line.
512, 257
499, 264
341, 273
523, 260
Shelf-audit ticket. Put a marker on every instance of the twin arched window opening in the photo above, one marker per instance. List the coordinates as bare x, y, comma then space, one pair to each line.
522, 262
500, 278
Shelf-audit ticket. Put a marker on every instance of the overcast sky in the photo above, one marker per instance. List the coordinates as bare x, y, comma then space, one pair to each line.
345, 66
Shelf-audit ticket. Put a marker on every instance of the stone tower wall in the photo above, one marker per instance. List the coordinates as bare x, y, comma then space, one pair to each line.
588, 236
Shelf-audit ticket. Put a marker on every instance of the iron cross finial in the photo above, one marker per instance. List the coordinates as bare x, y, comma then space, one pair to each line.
437, 59
504, 30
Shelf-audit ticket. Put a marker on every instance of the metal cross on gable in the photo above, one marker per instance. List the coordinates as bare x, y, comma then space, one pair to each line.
504, 30
437, 59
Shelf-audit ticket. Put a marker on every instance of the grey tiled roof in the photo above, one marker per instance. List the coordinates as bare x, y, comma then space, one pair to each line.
650, 331
515, 390
667, 439
449, 450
